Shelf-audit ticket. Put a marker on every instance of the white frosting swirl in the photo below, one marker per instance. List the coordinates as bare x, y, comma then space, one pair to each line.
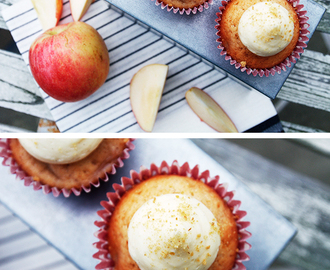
59, 151
266, 28
173, 231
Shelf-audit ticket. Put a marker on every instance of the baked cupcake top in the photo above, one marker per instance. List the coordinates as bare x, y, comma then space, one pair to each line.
183, 4
148, 184
259, 34
74, 175
148, 190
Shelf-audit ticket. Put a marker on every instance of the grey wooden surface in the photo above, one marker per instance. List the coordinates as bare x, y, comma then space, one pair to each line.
324, 25
18, 90
308, 84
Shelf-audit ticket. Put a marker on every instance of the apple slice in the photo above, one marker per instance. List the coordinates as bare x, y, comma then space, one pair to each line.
79, 8
209, 111
146, 89
49, 12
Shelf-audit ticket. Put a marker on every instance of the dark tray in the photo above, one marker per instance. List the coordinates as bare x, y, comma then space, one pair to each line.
196, 32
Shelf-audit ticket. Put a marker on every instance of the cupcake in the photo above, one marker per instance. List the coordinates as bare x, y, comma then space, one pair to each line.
171, 217
64, 165
261, 37
184, 6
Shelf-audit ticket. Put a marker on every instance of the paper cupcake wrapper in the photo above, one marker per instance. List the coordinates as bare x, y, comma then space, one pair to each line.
9, 161
127, 183
299, 49
194, 10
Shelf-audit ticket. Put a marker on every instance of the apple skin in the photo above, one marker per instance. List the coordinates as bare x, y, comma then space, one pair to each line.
69, 62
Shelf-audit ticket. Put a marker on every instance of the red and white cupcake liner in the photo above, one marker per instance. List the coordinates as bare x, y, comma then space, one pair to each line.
194, 10
299, 49
127, 183
9, 161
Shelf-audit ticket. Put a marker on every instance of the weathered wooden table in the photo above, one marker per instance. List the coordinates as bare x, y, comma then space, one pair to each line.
308, 84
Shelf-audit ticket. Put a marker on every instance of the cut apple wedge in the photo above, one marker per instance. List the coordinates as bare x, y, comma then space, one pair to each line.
146, 89
79, 8
209, 111
49, 12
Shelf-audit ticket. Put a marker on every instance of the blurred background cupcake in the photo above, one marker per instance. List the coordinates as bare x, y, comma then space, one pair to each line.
64, 165
184, 6
261, 37
171, 217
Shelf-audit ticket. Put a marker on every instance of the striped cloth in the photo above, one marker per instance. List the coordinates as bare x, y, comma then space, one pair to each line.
131, 46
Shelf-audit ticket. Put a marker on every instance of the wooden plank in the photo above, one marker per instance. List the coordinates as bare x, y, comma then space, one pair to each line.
308, 83
324, 25
294, 128
18, 90
319, 145
302, 200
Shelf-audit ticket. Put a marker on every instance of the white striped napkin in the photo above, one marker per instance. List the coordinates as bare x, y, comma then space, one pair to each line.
131, 46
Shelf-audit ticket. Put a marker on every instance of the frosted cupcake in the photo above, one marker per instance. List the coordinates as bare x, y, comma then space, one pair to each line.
171, 217
64, 165
184, 6
261, 37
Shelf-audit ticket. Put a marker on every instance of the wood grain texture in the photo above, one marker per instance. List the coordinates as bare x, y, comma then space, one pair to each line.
295, 128
18, 90
308, 83
302, 200
324, 25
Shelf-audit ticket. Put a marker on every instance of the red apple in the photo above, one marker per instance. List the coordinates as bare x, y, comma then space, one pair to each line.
49, 12
69, 62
